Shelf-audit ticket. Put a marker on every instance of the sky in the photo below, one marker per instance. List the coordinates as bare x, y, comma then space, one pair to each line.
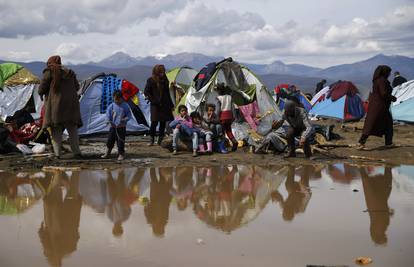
319, 33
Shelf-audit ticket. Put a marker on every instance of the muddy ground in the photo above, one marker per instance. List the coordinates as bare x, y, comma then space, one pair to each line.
139, 154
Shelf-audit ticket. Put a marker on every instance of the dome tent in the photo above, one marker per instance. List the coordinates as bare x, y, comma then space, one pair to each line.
245, 88
341, 101
403, 108
96, 96
182, 77
18, 89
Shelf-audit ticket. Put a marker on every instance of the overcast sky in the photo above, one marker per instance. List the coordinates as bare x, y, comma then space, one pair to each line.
318, 32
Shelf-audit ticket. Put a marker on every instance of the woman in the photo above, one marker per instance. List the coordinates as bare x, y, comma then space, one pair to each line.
157, 92
59, 87
379, 119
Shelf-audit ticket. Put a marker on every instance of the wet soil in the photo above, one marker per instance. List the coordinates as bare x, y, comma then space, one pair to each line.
139, 154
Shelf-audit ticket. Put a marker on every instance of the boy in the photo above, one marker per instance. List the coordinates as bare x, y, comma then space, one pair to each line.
118, 114
226, 113
183, 125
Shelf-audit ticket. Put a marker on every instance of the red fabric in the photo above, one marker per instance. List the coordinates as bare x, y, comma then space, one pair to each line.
226, 115
128, 90
278, 89
226, 124
201, 76
342, 88
26, 133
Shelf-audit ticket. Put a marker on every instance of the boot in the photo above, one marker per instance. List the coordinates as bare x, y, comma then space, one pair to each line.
151, 143
222, 147
195, 153
210, 147
307, 150
201, 149
159, 140
234, 146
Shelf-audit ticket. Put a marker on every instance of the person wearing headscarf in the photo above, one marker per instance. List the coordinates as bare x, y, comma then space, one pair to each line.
299, 125
320, 85
398, 79
379, 119
158, 94
59, 89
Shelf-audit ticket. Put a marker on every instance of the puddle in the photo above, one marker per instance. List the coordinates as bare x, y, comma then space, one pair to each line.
233, 215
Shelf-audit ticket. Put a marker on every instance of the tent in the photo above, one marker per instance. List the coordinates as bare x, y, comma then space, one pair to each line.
403, 108
96, 96
182, 77
341, 101
245, 88
18, 89
284, 92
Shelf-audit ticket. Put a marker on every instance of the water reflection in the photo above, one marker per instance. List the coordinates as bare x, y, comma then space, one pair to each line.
377, 190
224, 198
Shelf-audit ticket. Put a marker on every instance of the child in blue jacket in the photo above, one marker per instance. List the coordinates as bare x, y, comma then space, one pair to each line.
117, 114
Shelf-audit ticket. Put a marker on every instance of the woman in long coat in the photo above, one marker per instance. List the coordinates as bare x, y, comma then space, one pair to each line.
379, 119
157, 92
59, 88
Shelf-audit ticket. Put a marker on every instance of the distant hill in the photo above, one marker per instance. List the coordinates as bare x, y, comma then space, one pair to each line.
305, 77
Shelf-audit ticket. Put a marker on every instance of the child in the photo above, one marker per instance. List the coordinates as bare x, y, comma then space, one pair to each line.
183, 125
226, 113
212, 122
204, 132
118, 114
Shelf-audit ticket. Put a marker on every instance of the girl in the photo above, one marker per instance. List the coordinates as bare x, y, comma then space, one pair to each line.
226, 113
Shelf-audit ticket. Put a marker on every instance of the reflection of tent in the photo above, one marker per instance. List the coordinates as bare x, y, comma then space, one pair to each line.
244, 85
183, 77
283, 92
18, 89
343, 173
27, 194
96, 96
341, 101
403, 108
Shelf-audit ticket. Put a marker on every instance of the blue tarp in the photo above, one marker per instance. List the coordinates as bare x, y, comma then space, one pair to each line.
330, 109
404, 111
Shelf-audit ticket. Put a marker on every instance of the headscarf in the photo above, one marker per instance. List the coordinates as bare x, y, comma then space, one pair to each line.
54, 63
155, 73
381, 71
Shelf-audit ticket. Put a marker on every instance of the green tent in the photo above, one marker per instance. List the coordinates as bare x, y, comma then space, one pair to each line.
182, 77
7, 70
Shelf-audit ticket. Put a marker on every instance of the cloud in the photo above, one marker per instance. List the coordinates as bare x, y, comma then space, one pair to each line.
153, 32
197, 19
28, 18
74, 52
17, 55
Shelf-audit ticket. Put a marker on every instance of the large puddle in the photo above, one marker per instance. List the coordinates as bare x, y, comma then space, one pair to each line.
232, 215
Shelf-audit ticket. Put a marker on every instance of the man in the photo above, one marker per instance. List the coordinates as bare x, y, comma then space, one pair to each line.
320, 85
398, 79
299, 126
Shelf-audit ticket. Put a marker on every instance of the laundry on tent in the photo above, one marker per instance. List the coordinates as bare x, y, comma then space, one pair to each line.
403, 108
96, 95
340, 101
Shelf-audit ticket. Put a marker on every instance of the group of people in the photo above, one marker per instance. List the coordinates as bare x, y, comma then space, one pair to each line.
207, 131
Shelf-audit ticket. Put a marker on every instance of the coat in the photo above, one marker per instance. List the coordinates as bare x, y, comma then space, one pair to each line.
62, 105
379, 117
160, 100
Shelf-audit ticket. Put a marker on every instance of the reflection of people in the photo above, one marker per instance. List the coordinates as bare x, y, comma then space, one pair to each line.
118, 209
158, 207
59, 232
298, 195
377, 190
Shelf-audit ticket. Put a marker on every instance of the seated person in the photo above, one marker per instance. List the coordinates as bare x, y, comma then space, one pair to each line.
205, 134
300, 125
212, 122
183, 127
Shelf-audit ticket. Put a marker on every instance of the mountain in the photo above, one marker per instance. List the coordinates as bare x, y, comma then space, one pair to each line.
117, 60
278, 67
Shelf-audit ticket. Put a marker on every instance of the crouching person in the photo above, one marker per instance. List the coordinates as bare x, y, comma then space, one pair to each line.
212, 122
118, 114
183, 127
300, 125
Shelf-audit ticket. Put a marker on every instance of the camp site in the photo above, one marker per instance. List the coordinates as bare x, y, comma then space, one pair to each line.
187, 133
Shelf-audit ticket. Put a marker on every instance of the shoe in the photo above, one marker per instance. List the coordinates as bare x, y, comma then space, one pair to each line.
106, 155
234, 146
222, 147
195, 153
121, 157
390, 145
360, 147
151, 143
174, 152
209, 148
290, 155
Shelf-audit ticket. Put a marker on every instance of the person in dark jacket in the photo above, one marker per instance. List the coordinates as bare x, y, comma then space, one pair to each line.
59, 88
379, 119
320, 85
398, 79
158, 94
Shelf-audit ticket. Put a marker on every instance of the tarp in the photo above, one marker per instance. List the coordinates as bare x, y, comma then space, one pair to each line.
7, 70
403, 108
14, 98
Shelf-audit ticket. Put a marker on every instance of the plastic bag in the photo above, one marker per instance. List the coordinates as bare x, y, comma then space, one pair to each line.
24, 149
39, 148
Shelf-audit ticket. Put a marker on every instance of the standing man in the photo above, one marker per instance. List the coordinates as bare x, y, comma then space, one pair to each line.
300, 125
398, 79
320, 85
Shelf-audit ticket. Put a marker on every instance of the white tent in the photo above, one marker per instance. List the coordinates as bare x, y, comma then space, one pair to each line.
403, 108
94, 120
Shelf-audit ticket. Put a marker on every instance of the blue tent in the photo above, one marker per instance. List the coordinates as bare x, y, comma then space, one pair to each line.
346, 108
403, 108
